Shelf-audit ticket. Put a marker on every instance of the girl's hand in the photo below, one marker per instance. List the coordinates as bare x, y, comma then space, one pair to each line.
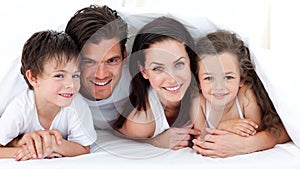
242, 127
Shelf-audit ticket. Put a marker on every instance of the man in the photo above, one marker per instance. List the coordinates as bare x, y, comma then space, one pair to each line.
101, 34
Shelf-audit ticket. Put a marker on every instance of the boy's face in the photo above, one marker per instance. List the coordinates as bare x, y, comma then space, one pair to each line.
101, 69
58, 84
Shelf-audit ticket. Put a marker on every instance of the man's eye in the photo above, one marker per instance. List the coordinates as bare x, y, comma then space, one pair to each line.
113, 61
89, 62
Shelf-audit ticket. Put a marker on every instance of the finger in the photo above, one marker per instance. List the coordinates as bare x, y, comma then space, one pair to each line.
247, 128
195, 132
22, 153
189, 126
29, 142
47, 140
252, 123
58, 136
178, 147
216, 131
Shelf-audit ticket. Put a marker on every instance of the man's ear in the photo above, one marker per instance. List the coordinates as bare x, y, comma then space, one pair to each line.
124, 56
31, 79
143, 70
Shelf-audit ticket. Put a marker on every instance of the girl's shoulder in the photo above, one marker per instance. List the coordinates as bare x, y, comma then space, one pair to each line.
246, 94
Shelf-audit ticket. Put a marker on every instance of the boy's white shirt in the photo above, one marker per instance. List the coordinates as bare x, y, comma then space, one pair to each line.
74, 122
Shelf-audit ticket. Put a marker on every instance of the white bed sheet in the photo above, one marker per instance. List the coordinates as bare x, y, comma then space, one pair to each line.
111, 151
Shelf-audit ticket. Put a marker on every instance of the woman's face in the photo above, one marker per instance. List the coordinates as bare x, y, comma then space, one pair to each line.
167, 67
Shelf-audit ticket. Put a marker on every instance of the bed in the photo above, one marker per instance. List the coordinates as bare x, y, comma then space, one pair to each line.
110, 151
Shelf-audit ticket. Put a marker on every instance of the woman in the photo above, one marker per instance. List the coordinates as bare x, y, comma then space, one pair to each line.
161, 61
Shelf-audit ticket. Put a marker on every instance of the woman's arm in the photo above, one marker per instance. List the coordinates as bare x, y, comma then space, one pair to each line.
138, 125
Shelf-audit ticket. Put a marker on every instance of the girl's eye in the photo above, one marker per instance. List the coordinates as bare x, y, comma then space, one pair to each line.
229, 77
179, 64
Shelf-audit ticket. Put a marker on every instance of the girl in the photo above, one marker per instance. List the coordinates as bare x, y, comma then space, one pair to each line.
232, 96
160, 64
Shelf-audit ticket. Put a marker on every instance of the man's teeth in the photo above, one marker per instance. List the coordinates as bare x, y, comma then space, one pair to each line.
173, 88
101, 84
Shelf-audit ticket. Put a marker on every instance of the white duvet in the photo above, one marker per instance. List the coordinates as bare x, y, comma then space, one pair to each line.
278, 71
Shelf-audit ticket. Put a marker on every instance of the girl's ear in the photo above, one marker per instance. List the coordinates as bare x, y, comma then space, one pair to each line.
31, 79
242, 83
143, 71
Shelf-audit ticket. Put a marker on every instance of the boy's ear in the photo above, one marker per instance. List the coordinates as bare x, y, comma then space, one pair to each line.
31, 79
143, 71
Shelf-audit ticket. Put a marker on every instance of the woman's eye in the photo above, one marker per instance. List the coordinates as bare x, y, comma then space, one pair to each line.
179, 64
209, 78
158, 69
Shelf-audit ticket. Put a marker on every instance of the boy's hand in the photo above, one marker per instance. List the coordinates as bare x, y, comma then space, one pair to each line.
40, 143
242, 127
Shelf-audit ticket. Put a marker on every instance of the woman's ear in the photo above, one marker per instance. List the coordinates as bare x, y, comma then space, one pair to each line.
143, 70
31, 79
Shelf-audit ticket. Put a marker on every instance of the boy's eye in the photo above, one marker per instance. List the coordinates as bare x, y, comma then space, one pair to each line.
76, 76
59, 76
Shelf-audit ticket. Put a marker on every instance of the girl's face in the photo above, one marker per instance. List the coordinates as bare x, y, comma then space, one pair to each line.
58, 84
219, 78
167, 67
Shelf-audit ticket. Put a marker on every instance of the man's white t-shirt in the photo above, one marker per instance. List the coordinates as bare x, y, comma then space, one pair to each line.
74, 122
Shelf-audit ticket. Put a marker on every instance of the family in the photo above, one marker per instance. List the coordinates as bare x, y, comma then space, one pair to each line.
168, 91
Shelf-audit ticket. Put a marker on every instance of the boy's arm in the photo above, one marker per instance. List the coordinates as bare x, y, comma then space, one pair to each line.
70, 149
8, 152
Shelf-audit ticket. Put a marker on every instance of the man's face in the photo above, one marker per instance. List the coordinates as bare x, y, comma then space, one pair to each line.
101, 68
